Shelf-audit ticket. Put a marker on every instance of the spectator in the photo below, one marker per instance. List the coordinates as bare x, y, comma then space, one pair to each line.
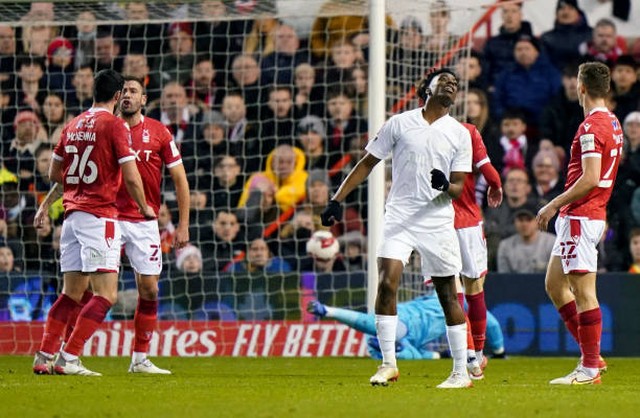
7, 260
81, 96
31, 81
54, 116
7, 53
241, 134
16, 209
260, 260
407, 61
514, 149
212, 143
478, 115
344, 124
625, 86
359, 78
278, 66
42, 183
107, 54
324, 249
604, 45
227, 183
294, 235
469, 69
175, 114
261, 40
277, 121
529, 249
354, 251
85, 39
40, 255
547, 183
498, 51
529, 84
634, 249
344, 56
137, 65
19, 157
167, 229
203, 89
286, 171
189, 259
226, 245
60, 55
561, 117
37, 31
218, 37
177, 63
307, 94
499, 222
138, 38
245, 74
440, 40
311, 139
570, 30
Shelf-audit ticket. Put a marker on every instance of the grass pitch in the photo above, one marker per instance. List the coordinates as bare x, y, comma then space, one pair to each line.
319, 387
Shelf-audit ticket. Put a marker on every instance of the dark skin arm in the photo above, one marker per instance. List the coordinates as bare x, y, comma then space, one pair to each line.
456, 183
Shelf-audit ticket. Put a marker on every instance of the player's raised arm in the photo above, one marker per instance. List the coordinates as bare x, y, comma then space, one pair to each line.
179, 177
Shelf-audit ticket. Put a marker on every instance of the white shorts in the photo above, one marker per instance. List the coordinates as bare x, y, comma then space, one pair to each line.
576, 244
141, 241
89, 244
473, 249
439, 250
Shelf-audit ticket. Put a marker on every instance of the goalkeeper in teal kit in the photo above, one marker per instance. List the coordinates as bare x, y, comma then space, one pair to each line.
421, 325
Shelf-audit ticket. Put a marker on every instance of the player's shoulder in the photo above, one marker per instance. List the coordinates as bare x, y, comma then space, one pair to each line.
157, 127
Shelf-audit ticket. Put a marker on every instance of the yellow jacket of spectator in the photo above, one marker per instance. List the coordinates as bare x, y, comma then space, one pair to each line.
288, 191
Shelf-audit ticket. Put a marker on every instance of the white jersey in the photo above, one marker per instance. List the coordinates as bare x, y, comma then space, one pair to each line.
417, 147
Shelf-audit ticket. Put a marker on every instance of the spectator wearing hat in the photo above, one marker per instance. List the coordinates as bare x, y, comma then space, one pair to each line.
498, 51
562, 116
107, 51
570, 30
529, 84
177, 63
19, 156
528, 250
189, 259
604, 45
625, 86
60, 67
311, 137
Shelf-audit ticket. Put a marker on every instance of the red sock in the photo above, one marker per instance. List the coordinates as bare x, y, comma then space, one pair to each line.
73, 315
145, 322
90, 318
590, 330
569, 314
461, 300
478, 319
470, 345
56, 321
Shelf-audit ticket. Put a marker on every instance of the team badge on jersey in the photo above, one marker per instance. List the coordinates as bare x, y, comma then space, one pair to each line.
146, 137
588, 142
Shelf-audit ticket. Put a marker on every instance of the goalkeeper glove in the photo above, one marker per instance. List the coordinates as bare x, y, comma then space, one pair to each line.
332, 213
439, 180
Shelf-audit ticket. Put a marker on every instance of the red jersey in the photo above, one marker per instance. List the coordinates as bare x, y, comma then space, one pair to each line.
467, 211
599, 135
154, 147
91, 148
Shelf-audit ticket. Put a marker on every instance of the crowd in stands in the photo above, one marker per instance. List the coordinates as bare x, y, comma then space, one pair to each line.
268, 123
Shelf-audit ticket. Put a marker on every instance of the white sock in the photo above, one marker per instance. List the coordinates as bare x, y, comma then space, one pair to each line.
471, 355
48, 356
68, 357
479, 356
457, 337
138, 357
590, 371
386, 330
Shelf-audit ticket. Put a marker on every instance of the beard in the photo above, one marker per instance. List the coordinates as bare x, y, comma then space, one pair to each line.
128, 112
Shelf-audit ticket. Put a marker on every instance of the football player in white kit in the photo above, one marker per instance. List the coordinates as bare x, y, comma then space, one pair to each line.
431, 154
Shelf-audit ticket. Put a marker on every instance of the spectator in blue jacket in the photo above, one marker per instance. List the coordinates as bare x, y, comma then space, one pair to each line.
498, 51
571, 29
529, 84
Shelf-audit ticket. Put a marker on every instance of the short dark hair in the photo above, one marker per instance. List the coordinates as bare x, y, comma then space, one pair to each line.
421, 89
596, 78
30, 60
106, 84
347, 90
138, 80
514, 113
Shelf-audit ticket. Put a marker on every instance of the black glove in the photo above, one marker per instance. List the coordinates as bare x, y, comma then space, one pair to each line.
332, 213
439, 180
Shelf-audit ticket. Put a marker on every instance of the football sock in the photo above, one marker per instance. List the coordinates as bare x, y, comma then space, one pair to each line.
457, 337
590, 330
495, 338
90, 318
478, 321
56, 321
73, 315
569, 314
145, 320
386, 330
361, 321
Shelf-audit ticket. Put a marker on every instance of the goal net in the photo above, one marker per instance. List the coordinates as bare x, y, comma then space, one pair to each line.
267, 101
